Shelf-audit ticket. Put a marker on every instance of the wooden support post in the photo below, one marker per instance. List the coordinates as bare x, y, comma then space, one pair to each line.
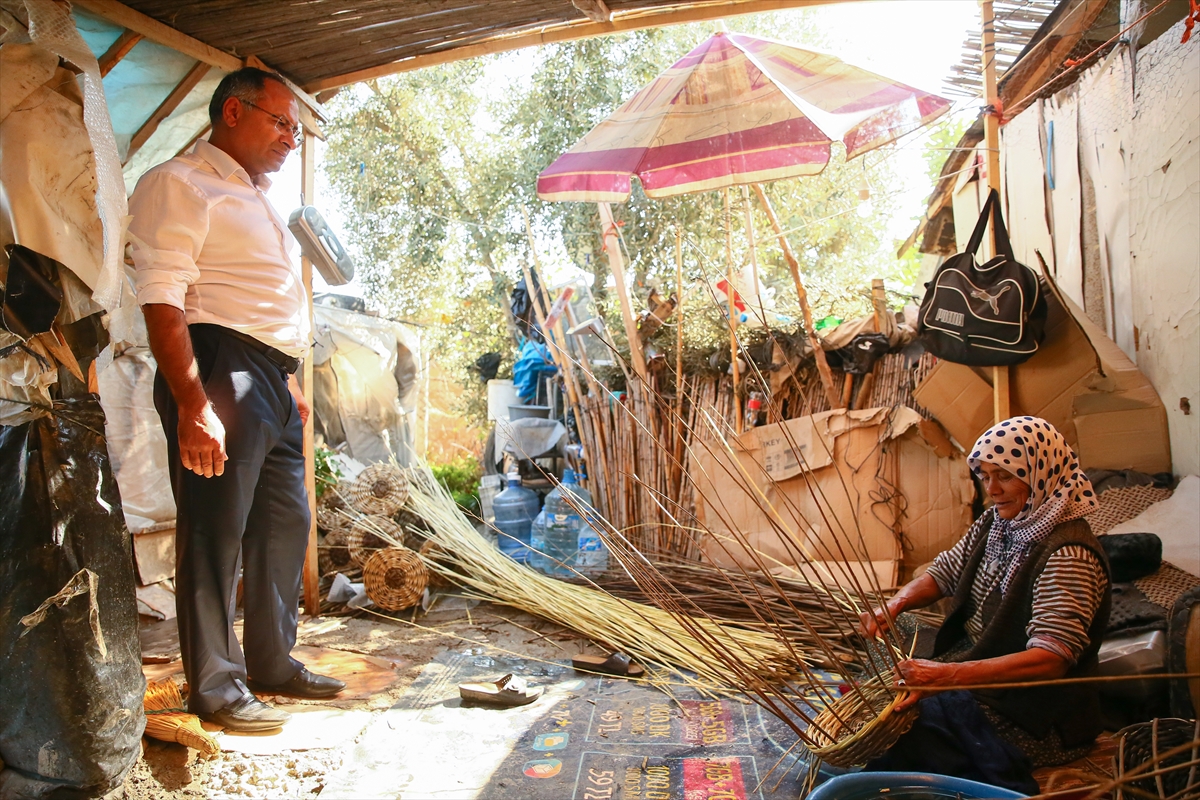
831, 392
731, 294
616, 263
991, 137
312, 594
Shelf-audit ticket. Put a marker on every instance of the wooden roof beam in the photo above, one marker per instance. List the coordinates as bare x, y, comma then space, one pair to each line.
119, 49
1027, 76
177, 95
155, 31
621, 23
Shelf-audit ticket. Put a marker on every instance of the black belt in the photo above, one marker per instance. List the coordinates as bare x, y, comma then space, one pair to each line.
288, 364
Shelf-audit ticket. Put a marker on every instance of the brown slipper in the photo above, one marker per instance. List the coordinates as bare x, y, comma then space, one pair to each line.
617, 664
511, 690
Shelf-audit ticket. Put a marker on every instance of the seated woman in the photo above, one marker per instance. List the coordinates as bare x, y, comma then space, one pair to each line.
1030, 598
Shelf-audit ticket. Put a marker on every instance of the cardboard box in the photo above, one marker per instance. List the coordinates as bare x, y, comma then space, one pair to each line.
154, 554
1079, 381
858, 486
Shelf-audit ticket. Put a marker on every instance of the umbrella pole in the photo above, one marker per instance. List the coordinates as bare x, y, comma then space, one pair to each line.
732, 308
617, 264
835, 400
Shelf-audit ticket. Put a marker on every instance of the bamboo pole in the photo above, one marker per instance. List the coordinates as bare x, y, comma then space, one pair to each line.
617, 264
731, 294
1001, 408
312, 593
794, 266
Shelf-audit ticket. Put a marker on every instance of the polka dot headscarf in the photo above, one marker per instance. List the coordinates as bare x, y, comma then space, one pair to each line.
1035, 452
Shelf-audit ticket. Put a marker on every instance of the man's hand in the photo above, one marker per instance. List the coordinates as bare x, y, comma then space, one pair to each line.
202, 441
301, 402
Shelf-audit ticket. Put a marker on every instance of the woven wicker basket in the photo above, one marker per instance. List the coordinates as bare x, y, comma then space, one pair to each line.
395, 578
363, 537
337, 551
861, 724
416, 530
379, 489
1142, 747
432, 552
331, 508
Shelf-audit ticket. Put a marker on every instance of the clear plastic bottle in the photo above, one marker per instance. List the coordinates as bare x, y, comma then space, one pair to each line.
537, 543
515, 509
754, 410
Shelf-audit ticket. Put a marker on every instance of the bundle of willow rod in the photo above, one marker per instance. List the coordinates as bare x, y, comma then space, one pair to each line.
842, 729
746, 599
644, 632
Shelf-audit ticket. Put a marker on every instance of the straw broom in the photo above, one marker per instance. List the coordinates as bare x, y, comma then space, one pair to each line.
168, 721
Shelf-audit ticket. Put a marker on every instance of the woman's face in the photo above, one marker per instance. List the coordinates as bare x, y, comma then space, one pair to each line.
1007, 492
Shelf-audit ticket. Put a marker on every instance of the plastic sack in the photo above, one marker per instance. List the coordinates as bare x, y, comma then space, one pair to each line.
71, 683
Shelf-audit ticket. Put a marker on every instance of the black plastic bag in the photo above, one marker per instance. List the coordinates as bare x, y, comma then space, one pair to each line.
859, 357
71, 684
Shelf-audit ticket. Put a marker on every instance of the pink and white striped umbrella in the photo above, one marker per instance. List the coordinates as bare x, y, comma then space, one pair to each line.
737, 109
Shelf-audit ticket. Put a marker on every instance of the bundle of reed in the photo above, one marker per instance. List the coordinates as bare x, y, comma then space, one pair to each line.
168, 721
646, 633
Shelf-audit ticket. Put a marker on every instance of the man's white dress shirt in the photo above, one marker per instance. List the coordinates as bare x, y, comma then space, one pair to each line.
207, 241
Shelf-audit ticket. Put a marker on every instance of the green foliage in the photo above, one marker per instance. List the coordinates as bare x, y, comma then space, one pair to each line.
435, 167
328, 472
461, 478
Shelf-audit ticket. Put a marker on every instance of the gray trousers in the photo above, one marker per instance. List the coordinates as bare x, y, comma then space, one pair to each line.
253, 518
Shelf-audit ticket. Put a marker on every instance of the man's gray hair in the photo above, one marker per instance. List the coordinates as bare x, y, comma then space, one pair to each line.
246, 84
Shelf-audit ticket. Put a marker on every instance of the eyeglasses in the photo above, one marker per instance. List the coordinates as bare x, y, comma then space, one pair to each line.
281, 123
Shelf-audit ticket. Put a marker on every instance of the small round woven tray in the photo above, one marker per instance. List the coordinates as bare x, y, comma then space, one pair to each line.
861, 724
378, 489
395, 578
1143, 748
370, 533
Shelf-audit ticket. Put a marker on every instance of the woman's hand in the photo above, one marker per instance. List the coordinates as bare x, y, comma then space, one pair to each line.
915, 674
872, 624
918, 593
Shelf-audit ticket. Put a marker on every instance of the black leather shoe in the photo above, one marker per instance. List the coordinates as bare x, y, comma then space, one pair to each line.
248, 713
302, 684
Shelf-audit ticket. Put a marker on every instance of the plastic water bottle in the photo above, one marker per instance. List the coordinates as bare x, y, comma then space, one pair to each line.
591, 556
563, 523
537, 543
515, 509
571, 541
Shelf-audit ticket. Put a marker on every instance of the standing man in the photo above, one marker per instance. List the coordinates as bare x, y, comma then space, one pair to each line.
227, 316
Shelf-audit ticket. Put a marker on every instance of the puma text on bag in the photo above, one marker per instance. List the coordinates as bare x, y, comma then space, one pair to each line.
984, 315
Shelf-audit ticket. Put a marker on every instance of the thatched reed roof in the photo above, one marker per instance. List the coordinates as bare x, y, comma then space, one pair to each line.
325, 44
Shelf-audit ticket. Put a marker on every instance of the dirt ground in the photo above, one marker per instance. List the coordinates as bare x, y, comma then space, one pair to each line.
168, 771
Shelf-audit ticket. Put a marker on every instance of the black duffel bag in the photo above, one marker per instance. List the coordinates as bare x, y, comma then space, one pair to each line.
992, 314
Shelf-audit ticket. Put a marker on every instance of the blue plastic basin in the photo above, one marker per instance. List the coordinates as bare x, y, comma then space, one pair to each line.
907, 786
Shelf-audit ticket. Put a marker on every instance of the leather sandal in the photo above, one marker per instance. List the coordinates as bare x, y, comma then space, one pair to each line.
511, 690
618, 664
